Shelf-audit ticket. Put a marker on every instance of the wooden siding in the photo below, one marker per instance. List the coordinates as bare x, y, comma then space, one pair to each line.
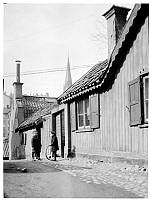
28, 148
115, 134
45, 135
119, 135
58, 132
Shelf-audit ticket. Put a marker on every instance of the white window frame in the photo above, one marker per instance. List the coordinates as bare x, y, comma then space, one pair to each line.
84, 114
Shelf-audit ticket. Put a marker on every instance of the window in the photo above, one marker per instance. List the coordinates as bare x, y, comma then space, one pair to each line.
139, 100
83, 115
146, 97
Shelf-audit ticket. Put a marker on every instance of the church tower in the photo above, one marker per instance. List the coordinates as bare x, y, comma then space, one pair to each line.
68, 79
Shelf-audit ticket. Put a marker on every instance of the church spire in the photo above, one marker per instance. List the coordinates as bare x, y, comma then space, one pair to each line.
68, 79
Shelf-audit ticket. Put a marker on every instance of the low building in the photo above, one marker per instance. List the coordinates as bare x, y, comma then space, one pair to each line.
107, 108
42, 114
23, 108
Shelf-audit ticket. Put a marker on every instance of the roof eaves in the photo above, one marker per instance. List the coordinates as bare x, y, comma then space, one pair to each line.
119, 45
89, 85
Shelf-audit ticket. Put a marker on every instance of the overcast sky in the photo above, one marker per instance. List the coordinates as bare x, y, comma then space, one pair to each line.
42, 36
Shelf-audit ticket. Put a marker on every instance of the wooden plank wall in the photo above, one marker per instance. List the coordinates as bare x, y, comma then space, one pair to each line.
45, 135
58, 132
115, 134
118, 135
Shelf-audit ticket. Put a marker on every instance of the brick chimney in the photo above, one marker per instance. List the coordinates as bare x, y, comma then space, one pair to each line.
116, 20
17, 85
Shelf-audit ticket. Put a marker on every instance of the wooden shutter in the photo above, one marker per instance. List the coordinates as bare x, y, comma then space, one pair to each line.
94, 111
135, 102
73, 116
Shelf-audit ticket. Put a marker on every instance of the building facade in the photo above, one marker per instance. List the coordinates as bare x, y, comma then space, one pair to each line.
108, 107
104, 114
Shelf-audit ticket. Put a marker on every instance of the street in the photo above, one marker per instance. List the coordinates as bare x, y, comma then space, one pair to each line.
43, 180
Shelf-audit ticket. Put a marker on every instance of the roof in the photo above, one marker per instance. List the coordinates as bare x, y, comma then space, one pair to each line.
86, 83
36, 118
99, 74
34, 109
32, 104
35, 102
139, 12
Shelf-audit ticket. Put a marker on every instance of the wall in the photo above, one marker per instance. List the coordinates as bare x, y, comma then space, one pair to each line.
58, 132
28, 148
117, 133
87, 141
6, 122
115, 137
6, 114
13, 138
6, 100
45, 135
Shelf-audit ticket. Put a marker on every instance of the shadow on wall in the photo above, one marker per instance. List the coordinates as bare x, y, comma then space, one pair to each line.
72, 154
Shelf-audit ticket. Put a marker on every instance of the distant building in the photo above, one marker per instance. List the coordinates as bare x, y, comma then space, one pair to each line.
23, 108
50, 117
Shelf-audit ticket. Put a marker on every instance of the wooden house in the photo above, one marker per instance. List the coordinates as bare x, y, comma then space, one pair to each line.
107, 108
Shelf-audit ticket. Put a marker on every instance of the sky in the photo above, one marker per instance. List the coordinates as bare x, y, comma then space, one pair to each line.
43, 35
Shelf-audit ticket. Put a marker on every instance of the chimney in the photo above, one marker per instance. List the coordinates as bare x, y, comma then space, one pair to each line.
17, 85
116, 20
18, 71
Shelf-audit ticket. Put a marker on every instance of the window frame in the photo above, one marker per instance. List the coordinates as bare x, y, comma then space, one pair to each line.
84, 113
141, 118
145, 76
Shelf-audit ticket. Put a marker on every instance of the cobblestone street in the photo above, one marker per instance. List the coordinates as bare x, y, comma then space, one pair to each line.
29, 179
132, 178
